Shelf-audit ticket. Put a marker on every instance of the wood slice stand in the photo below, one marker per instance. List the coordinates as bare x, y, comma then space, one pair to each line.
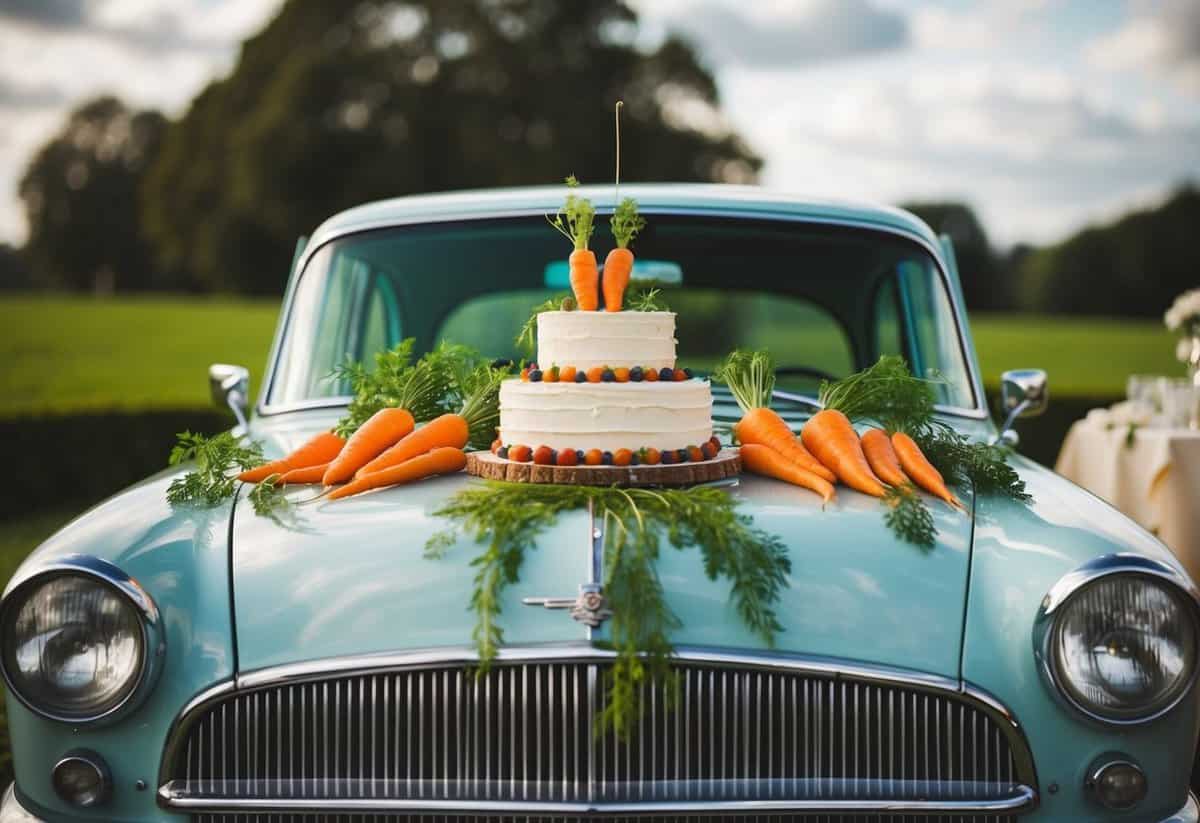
727, 463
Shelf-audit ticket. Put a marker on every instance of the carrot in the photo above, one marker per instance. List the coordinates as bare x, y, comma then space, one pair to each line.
311, 474
447, 430
766, 461
442, 460
585, 279
617, 268
921, 470
764, 427
882, 457
320, 449
832, 440
382, 430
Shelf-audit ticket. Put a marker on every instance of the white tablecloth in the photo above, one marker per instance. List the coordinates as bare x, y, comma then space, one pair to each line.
1155, 479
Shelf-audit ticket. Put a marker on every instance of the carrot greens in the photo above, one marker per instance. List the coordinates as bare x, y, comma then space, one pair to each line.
574, 220
217, 460
626, 223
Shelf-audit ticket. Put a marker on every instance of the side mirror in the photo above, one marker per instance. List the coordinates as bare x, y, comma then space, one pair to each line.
1023, 393
230, 386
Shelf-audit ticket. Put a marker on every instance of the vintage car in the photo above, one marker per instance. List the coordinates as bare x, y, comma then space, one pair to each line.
165, 663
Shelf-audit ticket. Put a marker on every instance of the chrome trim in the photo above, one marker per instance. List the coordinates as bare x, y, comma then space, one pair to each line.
97, 764
1025, 797
979, 412
154, 638
13, 811
1078, 579
1188, 813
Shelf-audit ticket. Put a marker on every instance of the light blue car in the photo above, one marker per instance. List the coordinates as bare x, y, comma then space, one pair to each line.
211, 664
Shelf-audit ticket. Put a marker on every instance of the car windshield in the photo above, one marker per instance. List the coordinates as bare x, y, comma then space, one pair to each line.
824, 300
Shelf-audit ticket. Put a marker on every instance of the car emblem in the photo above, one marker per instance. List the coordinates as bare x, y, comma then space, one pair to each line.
590, 607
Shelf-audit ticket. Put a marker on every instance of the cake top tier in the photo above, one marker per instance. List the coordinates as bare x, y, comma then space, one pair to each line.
585, 339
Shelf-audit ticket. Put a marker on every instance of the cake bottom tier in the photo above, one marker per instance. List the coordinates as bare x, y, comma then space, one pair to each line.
606, 416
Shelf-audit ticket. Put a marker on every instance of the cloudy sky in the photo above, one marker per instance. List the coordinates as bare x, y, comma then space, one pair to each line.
1043, 114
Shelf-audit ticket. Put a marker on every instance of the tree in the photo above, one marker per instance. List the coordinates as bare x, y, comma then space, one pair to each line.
332, 105
985, 286
14, 273
81, 199
1133, 267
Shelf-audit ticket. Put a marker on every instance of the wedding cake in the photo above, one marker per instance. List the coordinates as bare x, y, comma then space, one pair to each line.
605, 389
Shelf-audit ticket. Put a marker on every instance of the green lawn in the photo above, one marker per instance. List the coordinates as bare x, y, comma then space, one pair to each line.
65, 354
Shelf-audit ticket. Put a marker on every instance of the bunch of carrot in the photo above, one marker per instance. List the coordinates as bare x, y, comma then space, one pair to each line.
829, 450
389, 449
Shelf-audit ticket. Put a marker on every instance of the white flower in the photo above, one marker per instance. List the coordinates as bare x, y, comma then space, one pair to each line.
1183, 350
1184, 311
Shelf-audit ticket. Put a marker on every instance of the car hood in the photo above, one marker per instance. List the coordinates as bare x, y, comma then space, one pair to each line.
350, 577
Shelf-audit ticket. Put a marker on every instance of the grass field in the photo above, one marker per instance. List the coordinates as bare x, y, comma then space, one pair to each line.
67, 354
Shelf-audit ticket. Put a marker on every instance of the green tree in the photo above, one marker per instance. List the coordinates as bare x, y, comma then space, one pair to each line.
332, 105
984, 285
1133, 267
14, 273
80, 194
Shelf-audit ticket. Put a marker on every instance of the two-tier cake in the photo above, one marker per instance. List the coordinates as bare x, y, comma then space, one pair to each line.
606, 384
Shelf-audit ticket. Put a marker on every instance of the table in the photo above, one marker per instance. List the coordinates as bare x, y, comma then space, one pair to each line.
1154, 478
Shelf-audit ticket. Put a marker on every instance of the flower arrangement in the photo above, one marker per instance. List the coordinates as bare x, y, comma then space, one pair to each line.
1184, 317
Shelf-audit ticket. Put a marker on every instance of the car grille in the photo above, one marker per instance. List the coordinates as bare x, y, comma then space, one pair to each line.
520, 741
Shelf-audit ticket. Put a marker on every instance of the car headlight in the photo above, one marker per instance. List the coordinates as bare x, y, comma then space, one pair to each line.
1118, 638
80, 641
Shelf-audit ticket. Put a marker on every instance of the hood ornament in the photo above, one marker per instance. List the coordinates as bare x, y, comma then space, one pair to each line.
590, 607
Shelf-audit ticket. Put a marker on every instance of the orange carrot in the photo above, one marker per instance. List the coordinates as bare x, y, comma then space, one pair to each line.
617, 267
448, 430
384, 428
921, 470
832, 440
311, 474
882, 457
585, 279
766, 461
320, 449
764, 427
443, 460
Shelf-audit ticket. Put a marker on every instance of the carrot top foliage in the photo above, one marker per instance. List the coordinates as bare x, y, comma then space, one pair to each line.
574, 220
626, 223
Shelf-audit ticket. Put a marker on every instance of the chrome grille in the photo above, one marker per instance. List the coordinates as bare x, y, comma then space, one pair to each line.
438, 738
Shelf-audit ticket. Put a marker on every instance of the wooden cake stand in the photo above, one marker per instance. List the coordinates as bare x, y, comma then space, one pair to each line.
727, 463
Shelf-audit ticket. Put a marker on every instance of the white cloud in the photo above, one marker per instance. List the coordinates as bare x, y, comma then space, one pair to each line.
1161, 37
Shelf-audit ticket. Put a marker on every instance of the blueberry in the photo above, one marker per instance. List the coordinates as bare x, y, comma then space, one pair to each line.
502, 452
554, 457
579, 455
663, 374
607, 376
635, 460
681, 456
636, 374
535, 375
668, 457
606, 458
688, 372
580, 377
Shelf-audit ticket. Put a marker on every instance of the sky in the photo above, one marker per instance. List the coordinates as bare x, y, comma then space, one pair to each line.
1044, 115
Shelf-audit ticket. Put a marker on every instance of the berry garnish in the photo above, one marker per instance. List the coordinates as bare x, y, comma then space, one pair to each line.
716, 442
579, 455
593, 374
533, 366
666, 374
550, 375
607, 458
567, 457
521, 454
679, 375
688, 373
681, 455
535, 376
622, 457
668, 457
622, 375
567, 374
502, 452
580, 377
496, 444
651, 376
635, 460
636, 374
608, 376
708, 450
525, 373
695, 454
593, 457
544, 456
651, 457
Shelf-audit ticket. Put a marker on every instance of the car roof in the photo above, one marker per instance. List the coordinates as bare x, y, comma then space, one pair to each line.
682, 198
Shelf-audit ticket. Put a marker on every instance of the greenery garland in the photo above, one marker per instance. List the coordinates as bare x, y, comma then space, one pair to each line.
508, 517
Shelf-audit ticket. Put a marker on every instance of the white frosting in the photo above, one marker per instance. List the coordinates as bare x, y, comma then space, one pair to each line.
584, 339
606, 416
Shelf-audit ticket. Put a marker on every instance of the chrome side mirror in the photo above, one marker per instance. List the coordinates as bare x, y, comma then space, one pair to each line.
1023, 393
230, 386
